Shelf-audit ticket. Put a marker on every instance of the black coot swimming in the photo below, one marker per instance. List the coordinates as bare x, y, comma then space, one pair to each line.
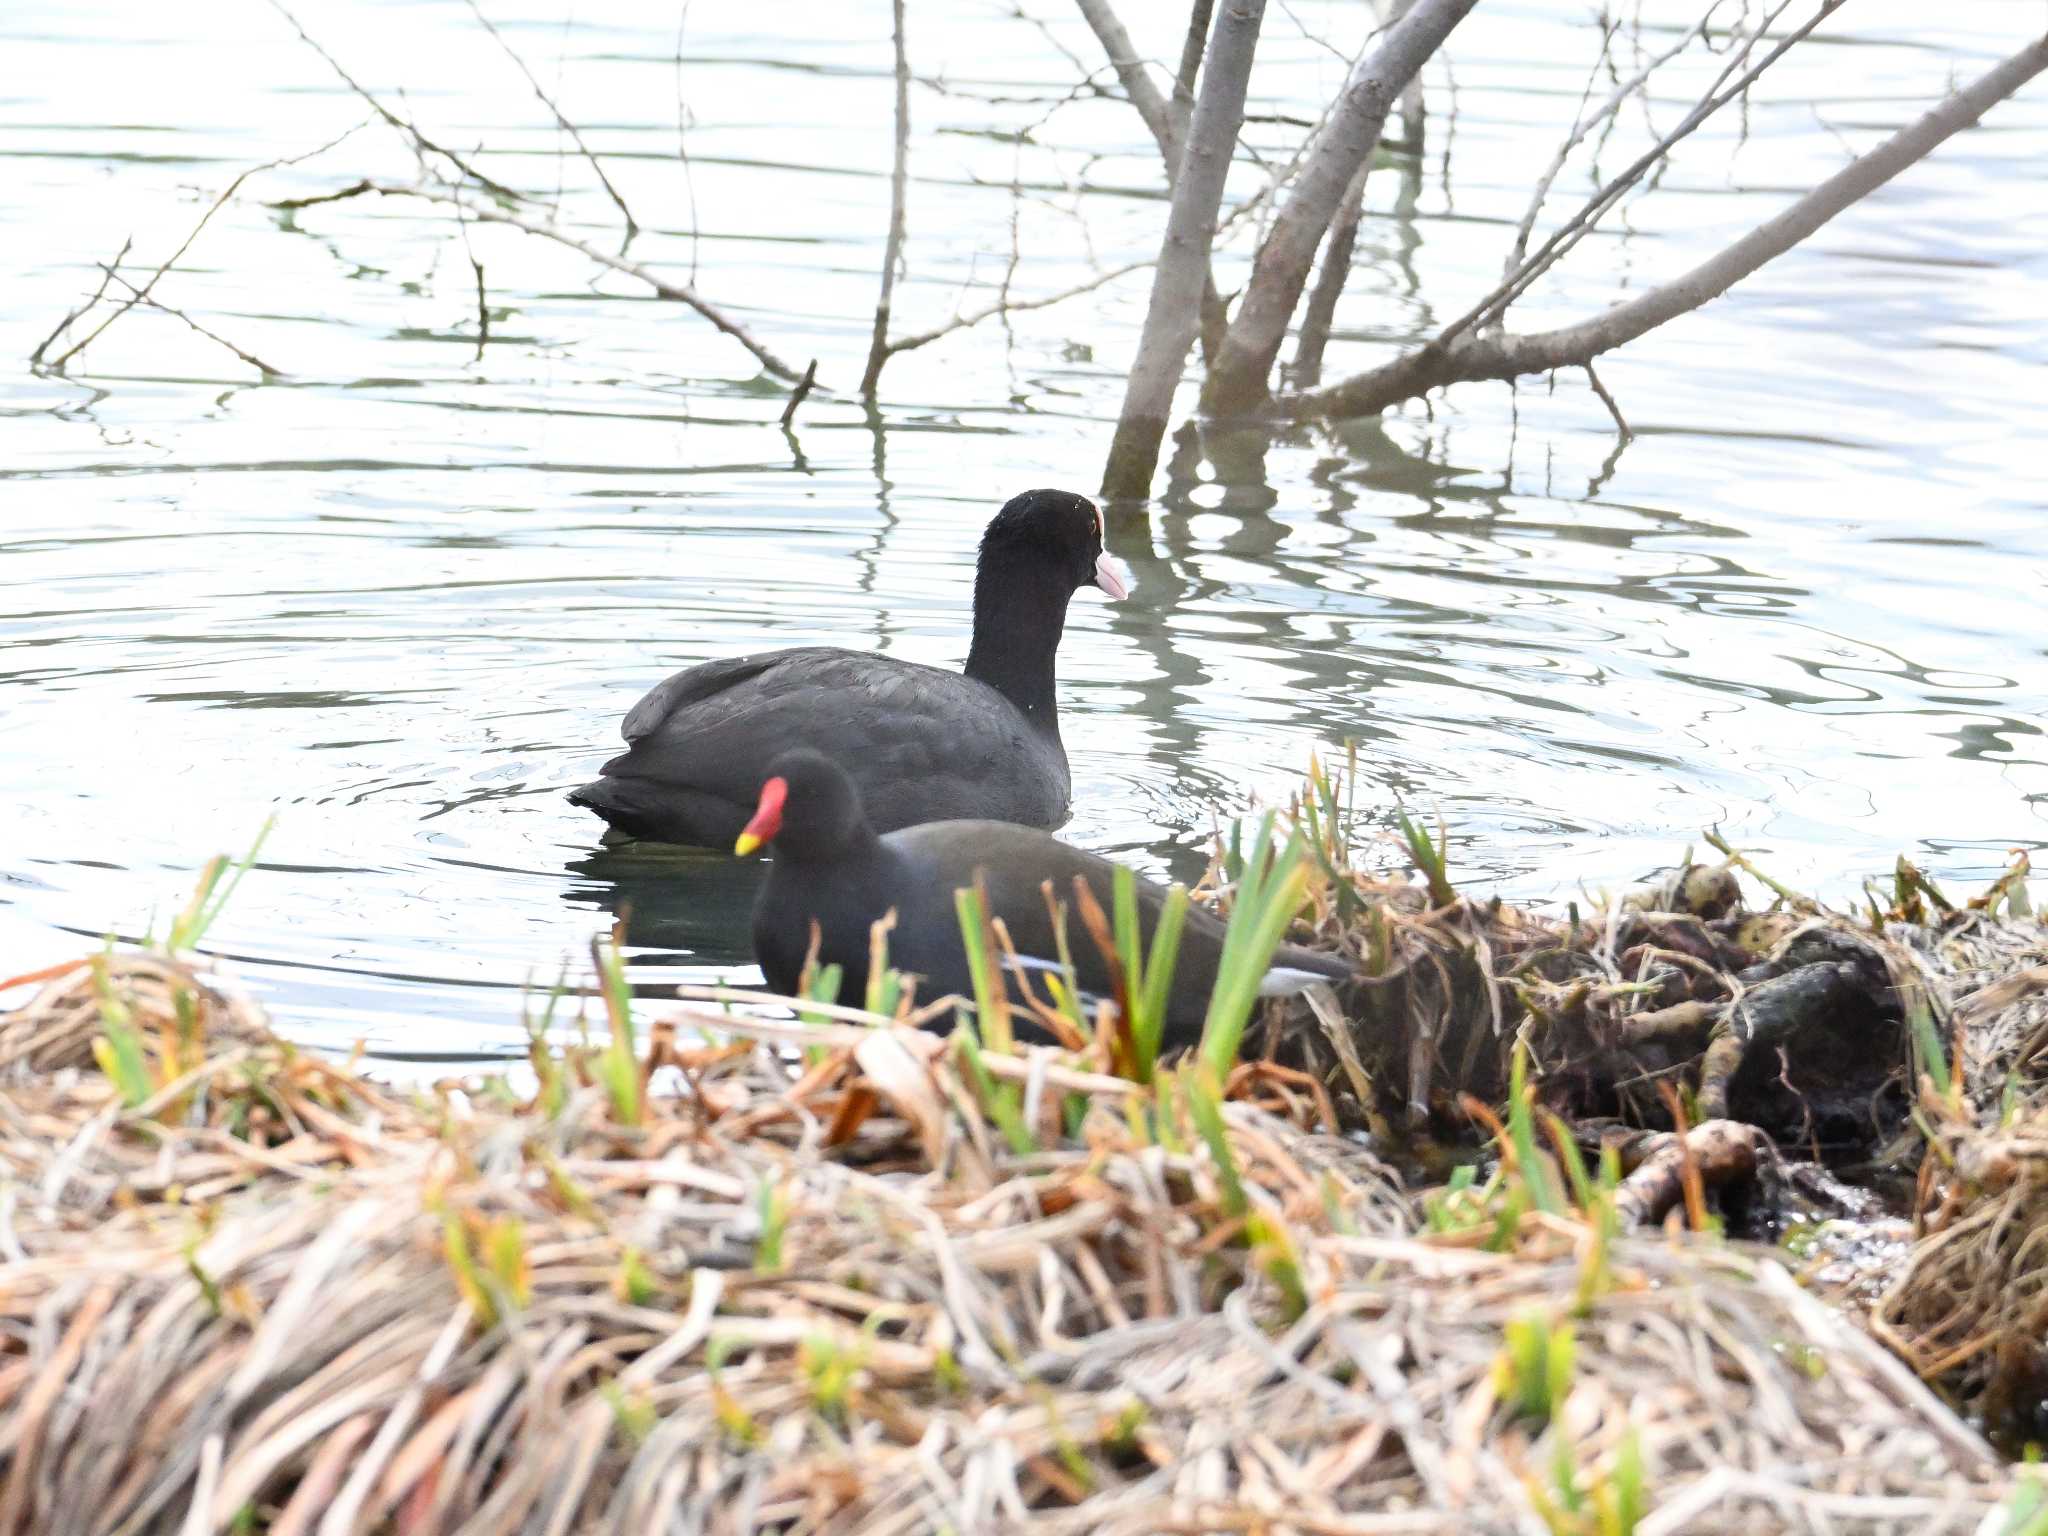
921, 743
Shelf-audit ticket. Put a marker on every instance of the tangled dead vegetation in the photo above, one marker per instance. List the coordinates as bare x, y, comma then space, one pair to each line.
790, 1277
1970, 1309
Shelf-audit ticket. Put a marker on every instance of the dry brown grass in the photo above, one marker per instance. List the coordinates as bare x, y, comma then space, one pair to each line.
833, 1297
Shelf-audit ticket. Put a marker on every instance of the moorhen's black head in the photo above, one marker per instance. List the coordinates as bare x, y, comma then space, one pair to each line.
1050, 530
808, 809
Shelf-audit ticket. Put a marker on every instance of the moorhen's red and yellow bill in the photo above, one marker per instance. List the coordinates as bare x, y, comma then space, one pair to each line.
831, 866
922, 744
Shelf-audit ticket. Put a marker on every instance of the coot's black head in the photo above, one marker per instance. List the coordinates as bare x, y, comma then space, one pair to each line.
1055, 531
809, 809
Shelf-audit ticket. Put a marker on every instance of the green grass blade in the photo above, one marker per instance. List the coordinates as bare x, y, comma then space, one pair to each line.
991, 998
1150, 1025
1271, 893
1203, 1091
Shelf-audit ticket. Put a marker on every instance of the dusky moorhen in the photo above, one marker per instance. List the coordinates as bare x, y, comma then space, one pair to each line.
922, 744
831, 865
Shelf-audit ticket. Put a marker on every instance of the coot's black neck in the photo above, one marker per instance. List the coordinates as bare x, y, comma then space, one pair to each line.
1019, 611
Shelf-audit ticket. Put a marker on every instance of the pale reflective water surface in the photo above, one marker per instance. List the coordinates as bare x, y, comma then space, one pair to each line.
402, 594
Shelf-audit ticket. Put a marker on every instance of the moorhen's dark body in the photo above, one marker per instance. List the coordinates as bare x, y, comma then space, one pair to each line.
831, 866
921, 743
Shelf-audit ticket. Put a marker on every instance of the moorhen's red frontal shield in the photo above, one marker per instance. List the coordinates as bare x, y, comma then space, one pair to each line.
767, 818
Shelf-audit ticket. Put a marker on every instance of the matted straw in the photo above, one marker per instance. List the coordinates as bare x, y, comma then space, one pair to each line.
275, 1296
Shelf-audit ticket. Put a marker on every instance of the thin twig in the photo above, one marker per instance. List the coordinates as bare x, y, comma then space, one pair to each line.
172, 260
483, 310
409, 129
178, 314
632, 226
1581, 224
680, 293
1585, 125
1492, 356
1011, 307
1620, 421
899, 182
797, 395
35, 358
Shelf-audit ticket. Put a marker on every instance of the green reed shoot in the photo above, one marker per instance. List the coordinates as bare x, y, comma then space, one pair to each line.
1529, 1159
547, 1067
1428, 856
991, 994
1004, 1102
1328, 839
1270, 890
1066, 987
634, 1282
738, 1425
209, 898
1927, 1040
772, 1206
118, 1050
885, 987
635, 1415
1533, 1372
1278, 1259
499, 1279
618, 1064
1147, 980
830, 1369
1204, 1094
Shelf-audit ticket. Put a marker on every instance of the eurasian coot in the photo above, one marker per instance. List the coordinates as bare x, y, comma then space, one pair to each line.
831, 866
922, 744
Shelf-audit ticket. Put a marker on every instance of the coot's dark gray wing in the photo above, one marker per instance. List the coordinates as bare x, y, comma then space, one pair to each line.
918, 742
693, 685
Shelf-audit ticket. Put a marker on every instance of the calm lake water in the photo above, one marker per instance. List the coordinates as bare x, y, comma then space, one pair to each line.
401, 595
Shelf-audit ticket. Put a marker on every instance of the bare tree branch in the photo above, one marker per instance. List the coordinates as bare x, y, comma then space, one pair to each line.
1237, 380
1585, 125
1330, 280
178, 314
409, 130
1175, 309
1009, 306
35, 358
1576, 228
1130, 71
142, 294
1190, 65
1473, 356
632, 228
680, 293
899, 184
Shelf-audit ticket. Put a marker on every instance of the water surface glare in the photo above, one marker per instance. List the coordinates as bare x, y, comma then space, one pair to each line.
402, 595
